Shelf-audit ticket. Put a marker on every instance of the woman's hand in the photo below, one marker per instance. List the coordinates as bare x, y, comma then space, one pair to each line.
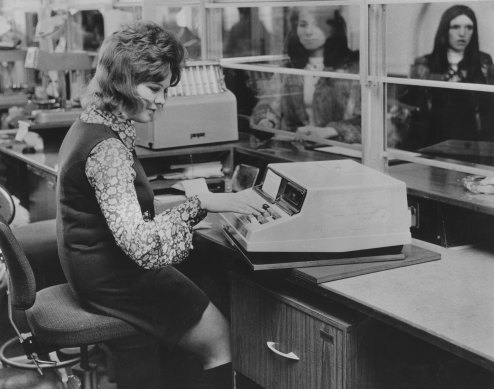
239, 202
264, 115
319, 132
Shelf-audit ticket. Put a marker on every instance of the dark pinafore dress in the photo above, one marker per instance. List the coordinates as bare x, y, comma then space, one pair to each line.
161, 302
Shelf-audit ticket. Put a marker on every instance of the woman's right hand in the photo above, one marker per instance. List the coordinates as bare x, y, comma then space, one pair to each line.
239, 202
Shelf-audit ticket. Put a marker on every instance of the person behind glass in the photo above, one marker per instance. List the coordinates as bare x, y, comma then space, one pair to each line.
190, 40
319, 106
441, 113
117, 254
248, 36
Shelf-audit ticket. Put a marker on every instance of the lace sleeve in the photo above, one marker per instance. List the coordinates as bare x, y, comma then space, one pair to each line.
150, 243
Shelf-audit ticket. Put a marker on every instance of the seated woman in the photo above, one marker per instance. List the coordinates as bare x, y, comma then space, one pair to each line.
118, 255
433, 115
318, 106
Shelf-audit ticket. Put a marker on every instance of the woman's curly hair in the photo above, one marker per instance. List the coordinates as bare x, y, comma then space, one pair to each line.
137, 53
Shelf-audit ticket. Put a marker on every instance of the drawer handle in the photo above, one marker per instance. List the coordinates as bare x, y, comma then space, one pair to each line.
290, 355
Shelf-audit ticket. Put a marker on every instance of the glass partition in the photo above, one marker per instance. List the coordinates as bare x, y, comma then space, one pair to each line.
87, 30
443, 108
249, 31
284, 30
293, 69
185, 21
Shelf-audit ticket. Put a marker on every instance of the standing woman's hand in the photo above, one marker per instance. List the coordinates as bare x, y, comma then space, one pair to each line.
239, 202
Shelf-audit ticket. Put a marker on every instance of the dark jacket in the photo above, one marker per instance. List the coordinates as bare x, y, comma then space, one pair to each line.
439, 114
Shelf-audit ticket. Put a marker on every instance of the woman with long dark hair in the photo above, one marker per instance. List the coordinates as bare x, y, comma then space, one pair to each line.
456, 56
318, 106
441, 114
301, 44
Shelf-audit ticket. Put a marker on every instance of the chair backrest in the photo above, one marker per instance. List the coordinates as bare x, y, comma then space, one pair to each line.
7, 206
22, 284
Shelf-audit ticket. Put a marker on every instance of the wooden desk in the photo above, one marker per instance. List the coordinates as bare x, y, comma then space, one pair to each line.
442, 185
447, 213
449, 303
481, 152
31, 178
45, 161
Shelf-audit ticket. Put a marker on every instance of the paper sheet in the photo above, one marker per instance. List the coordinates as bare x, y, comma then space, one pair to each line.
192, 187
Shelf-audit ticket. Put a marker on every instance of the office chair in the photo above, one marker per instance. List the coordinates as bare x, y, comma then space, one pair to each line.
7, 206
54, 317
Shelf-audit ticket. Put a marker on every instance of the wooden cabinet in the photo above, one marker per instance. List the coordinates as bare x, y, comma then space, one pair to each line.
13, 176
284, 339
42, 194
449, 225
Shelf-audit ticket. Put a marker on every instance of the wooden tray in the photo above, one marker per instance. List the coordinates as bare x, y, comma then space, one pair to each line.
289, 260
319, 274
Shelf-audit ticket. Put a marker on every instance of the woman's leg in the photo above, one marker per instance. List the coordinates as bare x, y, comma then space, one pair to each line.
209, 339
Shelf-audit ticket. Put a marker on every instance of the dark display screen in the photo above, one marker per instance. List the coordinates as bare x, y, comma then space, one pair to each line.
293, 195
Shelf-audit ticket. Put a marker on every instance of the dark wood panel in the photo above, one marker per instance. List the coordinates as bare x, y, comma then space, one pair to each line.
319, 274
331, 356
449, 225
266, 319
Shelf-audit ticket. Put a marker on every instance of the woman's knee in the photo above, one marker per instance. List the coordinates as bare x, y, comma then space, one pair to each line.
210, 336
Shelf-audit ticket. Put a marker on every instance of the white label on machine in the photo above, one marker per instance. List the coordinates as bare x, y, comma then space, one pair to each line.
271, 184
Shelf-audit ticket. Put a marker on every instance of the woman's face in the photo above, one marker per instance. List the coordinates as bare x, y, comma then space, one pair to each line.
310, 33
460, 33
153, 94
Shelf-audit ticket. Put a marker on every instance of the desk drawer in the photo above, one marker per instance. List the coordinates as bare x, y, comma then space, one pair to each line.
281, 345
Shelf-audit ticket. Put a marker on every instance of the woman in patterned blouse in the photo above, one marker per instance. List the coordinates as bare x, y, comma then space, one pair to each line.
319, 106
117, 254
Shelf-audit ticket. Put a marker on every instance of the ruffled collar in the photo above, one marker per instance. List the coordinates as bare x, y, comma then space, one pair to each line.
124, 128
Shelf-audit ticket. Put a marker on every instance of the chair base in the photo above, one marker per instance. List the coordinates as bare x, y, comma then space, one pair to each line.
87, 375
28, 364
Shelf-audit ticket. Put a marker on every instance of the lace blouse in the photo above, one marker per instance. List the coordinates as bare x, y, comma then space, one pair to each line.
151, 242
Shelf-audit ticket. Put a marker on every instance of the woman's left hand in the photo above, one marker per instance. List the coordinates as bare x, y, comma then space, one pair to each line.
239, 202
320, 132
